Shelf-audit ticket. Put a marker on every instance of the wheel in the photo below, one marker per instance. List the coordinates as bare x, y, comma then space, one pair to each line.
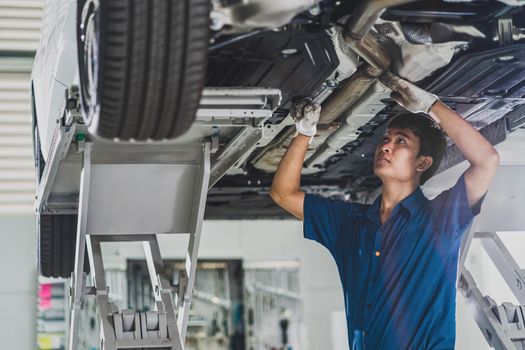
142, 66
57, 237
56, 244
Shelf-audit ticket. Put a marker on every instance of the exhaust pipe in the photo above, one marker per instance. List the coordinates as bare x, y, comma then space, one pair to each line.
366, 14
351, 91
357, 35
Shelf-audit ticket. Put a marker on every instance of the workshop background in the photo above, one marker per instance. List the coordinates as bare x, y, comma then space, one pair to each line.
285, 281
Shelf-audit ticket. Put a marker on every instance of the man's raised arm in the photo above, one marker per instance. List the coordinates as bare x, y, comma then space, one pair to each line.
483, 158
285, 190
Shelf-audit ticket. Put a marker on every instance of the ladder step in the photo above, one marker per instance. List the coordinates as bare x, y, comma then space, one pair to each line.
132, 325
154, 325
158, 344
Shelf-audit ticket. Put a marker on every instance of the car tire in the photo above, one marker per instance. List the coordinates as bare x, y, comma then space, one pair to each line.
56, 240
142, 66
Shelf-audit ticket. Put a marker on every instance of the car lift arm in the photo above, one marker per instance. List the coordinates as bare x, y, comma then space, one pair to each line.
132, 192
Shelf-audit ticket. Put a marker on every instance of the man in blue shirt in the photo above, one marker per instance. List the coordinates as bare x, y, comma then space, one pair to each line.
397, 258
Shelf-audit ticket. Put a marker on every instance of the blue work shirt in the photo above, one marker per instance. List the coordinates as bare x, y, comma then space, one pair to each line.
399, 278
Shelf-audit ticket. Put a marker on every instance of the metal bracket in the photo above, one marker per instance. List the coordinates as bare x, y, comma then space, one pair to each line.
214, 144
246, 108
72, 112
507, 266
68, 125
505, 31
236, 106
502, 325
182, 288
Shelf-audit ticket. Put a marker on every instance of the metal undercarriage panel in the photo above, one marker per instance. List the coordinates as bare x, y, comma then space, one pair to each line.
296, 62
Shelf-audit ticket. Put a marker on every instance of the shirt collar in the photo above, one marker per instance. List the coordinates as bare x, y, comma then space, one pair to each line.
412, 203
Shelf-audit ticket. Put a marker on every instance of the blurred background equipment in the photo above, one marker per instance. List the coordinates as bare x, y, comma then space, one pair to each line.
274, 305
216, 321
236, 306
51, 323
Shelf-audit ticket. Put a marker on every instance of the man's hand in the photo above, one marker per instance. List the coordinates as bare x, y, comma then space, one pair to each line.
408, 95
306, 114
285, 190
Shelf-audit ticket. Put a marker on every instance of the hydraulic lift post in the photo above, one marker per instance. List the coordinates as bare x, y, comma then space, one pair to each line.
162, 328
131, 192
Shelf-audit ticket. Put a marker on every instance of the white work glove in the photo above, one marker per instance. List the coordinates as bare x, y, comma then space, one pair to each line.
408, 95
306, 114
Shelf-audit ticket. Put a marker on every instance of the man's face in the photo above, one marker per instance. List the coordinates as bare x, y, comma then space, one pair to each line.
396, 156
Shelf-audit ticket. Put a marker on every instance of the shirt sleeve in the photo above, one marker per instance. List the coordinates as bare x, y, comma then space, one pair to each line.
451, 209
324, 218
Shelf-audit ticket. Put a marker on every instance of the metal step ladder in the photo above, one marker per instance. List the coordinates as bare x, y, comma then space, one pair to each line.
130, 192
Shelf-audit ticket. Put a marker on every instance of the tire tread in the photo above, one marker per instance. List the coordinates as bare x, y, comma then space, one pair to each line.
154, 66
57, 238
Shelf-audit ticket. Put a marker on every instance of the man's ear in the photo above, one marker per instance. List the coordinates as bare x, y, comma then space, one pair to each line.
423, 163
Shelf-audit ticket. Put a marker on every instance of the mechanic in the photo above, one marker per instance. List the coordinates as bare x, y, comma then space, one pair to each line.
397, 258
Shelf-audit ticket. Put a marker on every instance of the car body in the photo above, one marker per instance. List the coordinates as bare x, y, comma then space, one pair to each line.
471, 54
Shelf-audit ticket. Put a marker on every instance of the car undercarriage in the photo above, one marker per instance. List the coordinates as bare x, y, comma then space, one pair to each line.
235, 85
470, 54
